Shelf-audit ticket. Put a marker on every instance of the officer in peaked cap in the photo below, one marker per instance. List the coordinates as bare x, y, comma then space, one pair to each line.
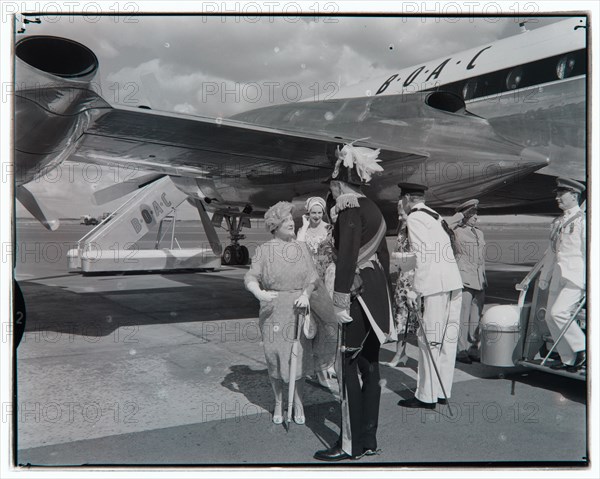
563, 271
567, 184
438, 284
468, 207
412, 188
471, 263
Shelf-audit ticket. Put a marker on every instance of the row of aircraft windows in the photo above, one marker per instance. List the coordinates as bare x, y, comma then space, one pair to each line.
535, 73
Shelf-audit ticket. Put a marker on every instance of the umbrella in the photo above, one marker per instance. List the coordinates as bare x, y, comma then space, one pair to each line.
294, 364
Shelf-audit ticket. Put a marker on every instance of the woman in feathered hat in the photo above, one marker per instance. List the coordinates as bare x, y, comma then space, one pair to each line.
283, 278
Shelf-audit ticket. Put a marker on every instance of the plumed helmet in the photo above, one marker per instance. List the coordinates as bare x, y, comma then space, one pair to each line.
355, 165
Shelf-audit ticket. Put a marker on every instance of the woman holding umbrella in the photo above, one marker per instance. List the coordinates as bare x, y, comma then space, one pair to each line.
284, 279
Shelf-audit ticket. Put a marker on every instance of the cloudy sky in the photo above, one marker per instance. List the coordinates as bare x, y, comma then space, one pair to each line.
219, 66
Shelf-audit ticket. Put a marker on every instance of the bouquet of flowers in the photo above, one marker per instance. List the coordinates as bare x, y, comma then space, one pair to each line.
404, 283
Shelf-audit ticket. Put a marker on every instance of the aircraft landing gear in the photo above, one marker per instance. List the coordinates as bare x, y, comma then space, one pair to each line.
235, 253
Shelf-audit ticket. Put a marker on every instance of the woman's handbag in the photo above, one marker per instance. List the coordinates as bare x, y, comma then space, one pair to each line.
310, 326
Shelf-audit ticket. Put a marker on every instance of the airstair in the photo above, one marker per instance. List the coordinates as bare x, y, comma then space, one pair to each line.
539, 345
113, 245
535, 346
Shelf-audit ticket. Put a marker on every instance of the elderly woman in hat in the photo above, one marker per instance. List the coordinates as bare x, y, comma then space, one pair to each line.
283, 278
471, 263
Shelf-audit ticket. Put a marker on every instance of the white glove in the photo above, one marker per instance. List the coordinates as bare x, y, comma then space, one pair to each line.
342, 315
302, 301
543, 284
333, 214
268, 296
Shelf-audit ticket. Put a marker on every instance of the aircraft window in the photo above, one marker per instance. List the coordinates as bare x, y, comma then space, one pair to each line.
514, 78
538, 72
565, 66
469, 89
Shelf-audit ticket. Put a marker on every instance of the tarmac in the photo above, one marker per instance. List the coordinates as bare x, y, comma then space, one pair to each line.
169, 369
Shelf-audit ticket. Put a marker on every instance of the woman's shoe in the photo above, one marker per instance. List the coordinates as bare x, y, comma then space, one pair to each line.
278, 414
299, 418
277, 419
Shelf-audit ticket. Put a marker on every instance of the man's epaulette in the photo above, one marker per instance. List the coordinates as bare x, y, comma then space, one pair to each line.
346, 201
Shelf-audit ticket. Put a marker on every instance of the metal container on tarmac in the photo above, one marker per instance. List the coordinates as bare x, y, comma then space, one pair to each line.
501, 337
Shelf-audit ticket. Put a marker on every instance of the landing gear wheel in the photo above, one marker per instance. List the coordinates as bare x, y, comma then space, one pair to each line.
242, 255
229, 256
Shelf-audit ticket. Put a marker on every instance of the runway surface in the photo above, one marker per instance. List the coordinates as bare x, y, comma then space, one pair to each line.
158, 369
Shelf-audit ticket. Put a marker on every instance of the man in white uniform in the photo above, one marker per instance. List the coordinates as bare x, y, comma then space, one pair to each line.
438, 282
564, 271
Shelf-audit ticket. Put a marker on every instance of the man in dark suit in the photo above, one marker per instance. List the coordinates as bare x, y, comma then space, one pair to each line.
362, 303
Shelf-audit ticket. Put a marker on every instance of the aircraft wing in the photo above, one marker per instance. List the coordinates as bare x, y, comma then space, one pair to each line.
184, 145
238, 162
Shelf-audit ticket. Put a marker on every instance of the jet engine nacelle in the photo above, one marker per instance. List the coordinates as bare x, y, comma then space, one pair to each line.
54, 102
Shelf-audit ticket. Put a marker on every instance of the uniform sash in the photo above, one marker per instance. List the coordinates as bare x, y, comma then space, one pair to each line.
370, 248
558, 229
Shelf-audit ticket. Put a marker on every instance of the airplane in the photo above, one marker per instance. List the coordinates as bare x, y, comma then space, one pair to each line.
498, 122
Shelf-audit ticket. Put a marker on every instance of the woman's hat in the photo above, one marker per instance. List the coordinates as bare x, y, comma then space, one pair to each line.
277, 214
314, 200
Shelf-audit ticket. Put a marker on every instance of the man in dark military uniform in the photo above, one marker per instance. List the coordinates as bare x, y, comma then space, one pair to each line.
362, 303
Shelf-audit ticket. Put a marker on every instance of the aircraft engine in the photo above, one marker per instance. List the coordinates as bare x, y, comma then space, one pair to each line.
54, 102
56, 58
